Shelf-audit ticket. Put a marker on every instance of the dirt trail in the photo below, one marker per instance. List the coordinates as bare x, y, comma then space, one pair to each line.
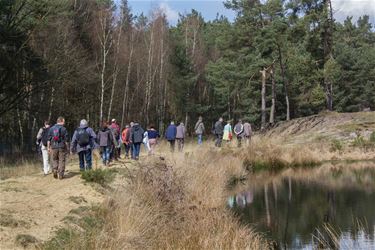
36, 205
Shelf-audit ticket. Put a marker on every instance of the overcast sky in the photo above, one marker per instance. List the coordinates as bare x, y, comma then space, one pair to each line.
210, 8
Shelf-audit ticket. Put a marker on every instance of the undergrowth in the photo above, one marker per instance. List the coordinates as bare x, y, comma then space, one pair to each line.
100, 176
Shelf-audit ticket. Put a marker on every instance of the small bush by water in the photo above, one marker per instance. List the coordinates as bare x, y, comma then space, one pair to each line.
336, 145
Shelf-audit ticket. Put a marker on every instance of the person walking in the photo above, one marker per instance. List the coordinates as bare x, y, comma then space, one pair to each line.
170, 135
116, 147
136, 137
58, 146
227, 135
131, 143
83, 142
247, 133
180, 136
153, 136
146, 142
105, 141
125, 137
239, 131
199, 130
219, 131
42, 141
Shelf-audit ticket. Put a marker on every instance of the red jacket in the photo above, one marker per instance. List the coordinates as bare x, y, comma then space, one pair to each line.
125, 136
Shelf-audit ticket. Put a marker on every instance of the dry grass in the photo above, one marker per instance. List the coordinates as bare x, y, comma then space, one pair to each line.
273, 154
177, 203
19, 166
180, 204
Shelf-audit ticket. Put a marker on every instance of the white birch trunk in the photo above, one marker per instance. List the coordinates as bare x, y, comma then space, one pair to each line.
126, 89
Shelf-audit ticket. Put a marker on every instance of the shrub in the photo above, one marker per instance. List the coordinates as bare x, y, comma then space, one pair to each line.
372, 137
363, 143
25, 240
100, 176
336, 145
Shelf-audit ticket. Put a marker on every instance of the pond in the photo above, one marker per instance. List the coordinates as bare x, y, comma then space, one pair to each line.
328, 207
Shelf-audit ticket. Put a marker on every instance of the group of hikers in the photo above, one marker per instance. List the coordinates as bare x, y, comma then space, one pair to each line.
54, 141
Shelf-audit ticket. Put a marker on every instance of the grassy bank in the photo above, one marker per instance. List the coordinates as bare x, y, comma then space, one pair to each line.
177, 203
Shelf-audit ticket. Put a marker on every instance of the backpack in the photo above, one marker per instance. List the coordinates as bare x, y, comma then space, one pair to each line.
44, 139
83, 137
56, 135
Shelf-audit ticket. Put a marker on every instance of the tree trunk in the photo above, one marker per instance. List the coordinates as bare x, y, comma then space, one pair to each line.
106, 44
20, 129
51, 104
327, 45
115, 69
126, 89
286, 83
161, 79
186, 119
272, 112
149, 76
263, 108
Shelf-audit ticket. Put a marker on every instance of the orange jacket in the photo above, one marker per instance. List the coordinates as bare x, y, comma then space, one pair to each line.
125, 136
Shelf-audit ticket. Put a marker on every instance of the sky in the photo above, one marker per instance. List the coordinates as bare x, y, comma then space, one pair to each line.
210, 8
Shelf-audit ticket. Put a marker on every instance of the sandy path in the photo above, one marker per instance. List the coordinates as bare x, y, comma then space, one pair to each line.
38, 204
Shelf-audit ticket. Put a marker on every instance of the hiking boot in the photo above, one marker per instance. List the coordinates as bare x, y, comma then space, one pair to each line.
55, 174
61, 176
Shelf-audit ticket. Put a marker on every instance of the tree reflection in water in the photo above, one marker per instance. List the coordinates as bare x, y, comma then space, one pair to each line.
308, 213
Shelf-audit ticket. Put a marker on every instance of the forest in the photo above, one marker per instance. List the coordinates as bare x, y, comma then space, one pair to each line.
94, 59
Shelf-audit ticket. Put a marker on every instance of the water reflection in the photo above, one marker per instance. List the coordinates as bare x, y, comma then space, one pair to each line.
306, 213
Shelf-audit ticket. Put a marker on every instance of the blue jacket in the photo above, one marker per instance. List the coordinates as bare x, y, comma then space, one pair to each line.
75, 147
153, 134
171, 132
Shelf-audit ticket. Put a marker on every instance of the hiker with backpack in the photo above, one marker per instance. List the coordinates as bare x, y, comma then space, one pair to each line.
125, 137
153, 136
247, 132
42, 141
83, 142
170, 135
239, 131
58, 146
199, 130
180, 136
219, 131
105, 140
116, 147
136, 137
227, 133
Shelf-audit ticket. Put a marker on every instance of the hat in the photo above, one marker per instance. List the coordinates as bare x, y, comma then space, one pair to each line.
113, 120
83, 123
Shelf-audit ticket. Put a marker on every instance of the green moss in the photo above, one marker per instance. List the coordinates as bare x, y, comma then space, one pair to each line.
88, 222
80, 210
9, 221
77, 199
63, 237
25, 240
